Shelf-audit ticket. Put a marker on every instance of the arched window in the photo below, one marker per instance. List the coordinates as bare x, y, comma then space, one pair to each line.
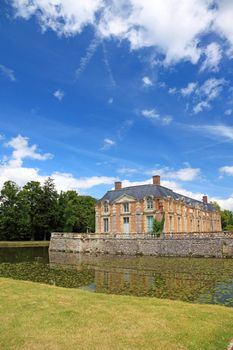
106, 207
149, 203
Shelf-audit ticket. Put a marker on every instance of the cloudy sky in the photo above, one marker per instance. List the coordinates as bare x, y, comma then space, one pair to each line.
94, 91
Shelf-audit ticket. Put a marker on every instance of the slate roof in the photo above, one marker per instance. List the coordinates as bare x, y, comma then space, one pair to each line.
142, 191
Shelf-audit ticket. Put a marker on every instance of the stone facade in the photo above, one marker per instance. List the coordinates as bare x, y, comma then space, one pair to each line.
196, 245
132, 210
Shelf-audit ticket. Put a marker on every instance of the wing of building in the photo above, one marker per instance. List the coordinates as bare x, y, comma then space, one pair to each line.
132, 210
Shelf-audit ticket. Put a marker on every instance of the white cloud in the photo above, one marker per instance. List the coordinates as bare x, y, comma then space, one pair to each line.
59, 94
225, 203
213, 56
200, 106
63, 181
12, 169
150, 113
172, 91
22, 150
205, 93
7, 72
174, 30
147, 81
228, 170
223, 20
220, 130
66, 17
184, 174
127, 171
212, 88
189, 89
108, 143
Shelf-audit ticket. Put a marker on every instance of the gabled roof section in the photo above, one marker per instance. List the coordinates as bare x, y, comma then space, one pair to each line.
142, 191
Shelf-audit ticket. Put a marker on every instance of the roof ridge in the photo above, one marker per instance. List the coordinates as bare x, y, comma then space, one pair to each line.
124, 188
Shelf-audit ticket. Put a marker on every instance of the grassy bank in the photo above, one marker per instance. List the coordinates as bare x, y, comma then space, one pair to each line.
35, 316
24, 244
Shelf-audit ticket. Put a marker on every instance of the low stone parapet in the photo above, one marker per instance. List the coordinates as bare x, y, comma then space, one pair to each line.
219, 244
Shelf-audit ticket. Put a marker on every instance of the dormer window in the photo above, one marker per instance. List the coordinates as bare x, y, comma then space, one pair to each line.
105, 207
126, 207
149, 203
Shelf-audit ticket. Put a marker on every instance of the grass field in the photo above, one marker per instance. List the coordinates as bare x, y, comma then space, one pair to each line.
35, 316
24, 244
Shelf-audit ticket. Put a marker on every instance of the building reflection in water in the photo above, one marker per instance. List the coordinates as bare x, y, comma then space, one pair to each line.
188, 279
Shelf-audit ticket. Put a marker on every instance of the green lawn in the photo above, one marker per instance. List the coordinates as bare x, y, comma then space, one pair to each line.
24, 244
35, 316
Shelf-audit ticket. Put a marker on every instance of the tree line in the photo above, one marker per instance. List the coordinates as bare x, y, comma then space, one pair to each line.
35, 210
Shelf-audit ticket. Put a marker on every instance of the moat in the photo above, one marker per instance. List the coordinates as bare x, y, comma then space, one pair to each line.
196, 280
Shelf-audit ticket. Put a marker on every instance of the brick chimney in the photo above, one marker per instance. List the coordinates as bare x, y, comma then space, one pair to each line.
205, 199
156, 180
118, 185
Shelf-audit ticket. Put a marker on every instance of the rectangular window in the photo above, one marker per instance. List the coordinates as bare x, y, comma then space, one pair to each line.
150, 221
149, 203
171, 223
106, 226
179, 226
106, 207
126, 207
126, 225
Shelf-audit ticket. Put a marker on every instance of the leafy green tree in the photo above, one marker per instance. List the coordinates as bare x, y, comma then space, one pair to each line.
158, 226
9, 215
79, 212
31, 200
48, 209
71, 212
216, 206
226, 217
227, 220
86, 214
36, 210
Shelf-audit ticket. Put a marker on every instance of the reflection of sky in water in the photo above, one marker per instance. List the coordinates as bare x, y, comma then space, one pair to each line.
223, 294
90, 288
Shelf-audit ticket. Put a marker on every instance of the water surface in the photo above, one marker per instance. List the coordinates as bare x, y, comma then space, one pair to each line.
196, 280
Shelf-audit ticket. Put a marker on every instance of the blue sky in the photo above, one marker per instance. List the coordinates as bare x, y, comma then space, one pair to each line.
96, 91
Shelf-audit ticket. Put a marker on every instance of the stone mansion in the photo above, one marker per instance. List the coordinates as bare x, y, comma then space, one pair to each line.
132, 210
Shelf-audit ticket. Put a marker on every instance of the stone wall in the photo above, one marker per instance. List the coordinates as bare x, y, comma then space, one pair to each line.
219, 245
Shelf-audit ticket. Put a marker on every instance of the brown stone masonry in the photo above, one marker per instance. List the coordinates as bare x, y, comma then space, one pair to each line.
219, 245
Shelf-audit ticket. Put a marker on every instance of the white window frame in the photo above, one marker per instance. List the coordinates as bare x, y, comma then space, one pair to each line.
149, 203
126, 207
149, 229
106, 225
106, 207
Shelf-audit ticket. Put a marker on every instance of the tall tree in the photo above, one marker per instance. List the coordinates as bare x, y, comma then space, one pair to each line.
9, 216
31, 197
48, 208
